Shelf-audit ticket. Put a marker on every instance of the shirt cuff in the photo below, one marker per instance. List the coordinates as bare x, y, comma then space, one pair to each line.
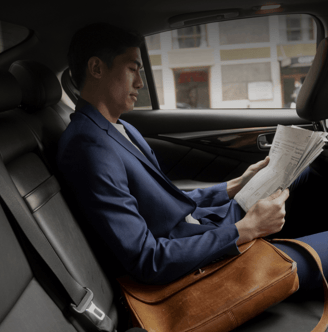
233, 249
236, 246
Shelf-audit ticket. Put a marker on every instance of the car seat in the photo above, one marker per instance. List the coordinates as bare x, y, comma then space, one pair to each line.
32, 297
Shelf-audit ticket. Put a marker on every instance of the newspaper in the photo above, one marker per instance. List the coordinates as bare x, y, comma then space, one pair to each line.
293, 149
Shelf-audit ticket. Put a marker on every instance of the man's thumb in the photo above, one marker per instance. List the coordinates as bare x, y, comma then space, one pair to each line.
274, 195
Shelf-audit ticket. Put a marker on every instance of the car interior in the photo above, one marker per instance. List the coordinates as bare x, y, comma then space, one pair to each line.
204, 120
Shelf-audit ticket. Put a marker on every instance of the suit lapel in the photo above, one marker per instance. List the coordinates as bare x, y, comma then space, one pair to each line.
135, 136
92, 113
139, 141
142, 144
118, 137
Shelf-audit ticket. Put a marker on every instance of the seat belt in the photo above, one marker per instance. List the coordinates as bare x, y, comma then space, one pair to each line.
82, 297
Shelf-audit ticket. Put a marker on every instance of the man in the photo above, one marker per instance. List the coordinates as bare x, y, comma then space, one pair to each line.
156, 231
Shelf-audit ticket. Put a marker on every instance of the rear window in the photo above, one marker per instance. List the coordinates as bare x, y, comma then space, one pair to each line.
11, 35
249, 63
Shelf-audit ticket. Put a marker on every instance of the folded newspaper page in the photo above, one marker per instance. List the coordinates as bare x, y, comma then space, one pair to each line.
293, 149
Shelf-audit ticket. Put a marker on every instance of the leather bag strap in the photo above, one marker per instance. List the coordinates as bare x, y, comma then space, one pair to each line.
323, 323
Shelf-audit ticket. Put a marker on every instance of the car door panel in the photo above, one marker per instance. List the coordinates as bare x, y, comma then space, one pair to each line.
199, 168
198, 148
156, 122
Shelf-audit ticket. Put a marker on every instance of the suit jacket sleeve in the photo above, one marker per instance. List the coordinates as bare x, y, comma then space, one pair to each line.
211, 196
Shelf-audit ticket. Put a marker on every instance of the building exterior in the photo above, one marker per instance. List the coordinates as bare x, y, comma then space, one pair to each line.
256, 63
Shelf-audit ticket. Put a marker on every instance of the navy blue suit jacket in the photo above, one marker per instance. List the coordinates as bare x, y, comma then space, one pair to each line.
135, 207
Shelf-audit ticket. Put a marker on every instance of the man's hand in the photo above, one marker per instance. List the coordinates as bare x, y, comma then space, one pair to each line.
235, 185
252, 170
265, 217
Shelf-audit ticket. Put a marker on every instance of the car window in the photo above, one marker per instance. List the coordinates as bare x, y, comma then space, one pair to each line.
11, 35
247, 63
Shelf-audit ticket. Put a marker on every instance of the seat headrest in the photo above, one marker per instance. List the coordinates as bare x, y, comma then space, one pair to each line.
11, 94
40, 86
312, 100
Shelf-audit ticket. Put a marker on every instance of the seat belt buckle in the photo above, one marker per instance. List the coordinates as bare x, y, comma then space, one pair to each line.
87, 305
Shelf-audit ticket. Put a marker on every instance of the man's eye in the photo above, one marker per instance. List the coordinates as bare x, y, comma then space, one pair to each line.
133, 69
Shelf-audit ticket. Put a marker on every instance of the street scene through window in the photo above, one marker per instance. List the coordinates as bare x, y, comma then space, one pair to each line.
249, 63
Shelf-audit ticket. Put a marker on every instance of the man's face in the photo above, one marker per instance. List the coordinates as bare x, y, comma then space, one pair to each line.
122, 81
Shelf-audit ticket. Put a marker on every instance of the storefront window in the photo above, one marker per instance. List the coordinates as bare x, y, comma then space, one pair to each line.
253, 30
191, 88
247, 82
190, 37
293, 27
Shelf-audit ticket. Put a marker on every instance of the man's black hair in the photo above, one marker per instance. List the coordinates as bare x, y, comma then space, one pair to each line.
99, 39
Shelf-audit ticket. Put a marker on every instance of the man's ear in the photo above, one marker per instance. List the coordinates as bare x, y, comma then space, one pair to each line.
95, 67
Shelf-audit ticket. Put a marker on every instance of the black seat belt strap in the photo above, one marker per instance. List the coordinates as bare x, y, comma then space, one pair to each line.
82, 297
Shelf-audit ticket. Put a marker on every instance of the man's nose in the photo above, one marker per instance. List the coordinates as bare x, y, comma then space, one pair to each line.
139, 83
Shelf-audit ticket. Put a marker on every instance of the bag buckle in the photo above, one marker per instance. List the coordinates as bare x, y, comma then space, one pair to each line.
87, 305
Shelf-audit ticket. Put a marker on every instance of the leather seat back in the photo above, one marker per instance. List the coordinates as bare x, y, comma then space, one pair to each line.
25, 305
24, 142
41, 104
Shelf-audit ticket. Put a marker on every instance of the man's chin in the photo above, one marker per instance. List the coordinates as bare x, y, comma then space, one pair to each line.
129, 109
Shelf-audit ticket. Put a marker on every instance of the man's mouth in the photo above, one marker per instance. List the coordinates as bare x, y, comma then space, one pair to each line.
134, 96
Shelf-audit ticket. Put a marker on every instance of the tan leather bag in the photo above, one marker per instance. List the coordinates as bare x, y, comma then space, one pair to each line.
221, 296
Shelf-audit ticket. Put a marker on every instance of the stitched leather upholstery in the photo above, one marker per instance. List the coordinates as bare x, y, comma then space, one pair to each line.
22, 141
25, 306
